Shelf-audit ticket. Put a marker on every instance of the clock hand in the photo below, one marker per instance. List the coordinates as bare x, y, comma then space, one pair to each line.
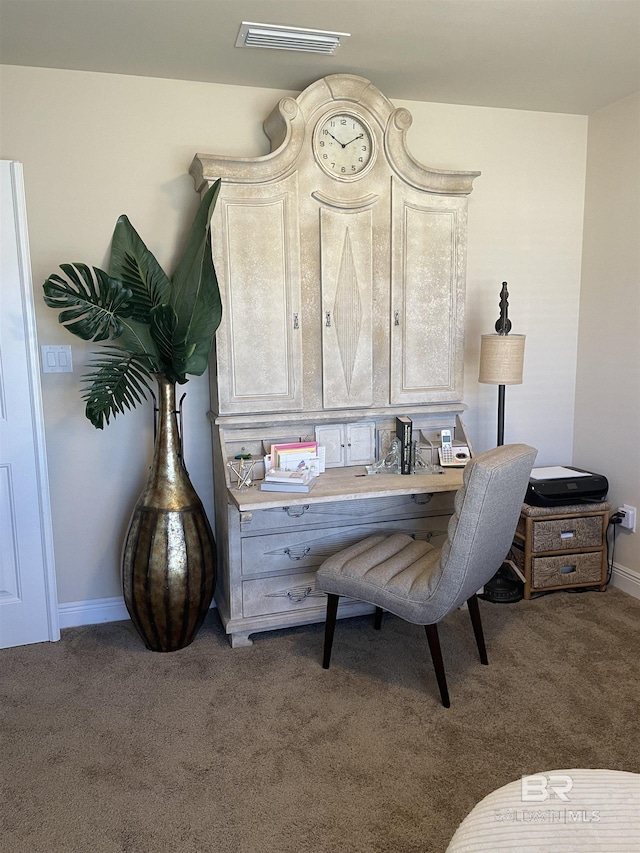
353, 140
337, 140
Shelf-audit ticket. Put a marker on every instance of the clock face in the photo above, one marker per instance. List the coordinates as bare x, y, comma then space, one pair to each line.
343, 145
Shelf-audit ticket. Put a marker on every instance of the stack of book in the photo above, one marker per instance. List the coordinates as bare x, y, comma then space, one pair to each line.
281, 480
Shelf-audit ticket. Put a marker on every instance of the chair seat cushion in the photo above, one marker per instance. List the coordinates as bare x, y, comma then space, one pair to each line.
397, 573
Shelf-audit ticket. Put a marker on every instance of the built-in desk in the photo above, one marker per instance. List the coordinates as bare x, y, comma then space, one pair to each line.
277, 540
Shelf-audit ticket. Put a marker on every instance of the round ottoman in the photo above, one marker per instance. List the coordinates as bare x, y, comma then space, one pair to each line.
558, 811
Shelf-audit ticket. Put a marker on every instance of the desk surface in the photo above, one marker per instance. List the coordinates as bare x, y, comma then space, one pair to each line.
342, 484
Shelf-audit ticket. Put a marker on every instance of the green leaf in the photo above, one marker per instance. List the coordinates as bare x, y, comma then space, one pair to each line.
119, 382
172, 352
137, 339
195, 294
138, 269
93, 303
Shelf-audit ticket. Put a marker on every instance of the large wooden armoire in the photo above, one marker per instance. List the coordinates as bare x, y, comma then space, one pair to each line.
341, 264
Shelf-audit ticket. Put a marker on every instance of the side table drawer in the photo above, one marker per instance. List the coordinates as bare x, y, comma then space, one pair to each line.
569, 533
566, 569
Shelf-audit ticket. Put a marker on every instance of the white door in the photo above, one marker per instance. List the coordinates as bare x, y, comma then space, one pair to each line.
28, 601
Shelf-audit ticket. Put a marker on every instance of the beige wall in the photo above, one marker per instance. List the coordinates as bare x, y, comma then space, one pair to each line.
607, 414
98, 145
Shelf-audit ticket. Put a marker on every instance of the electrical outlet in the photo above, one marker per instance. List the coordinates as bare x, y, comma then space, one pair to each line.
629, 518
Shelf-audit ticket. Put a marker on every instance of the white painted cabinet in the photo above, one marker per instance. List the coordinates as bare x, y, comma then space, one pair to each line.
343, 306
347, 444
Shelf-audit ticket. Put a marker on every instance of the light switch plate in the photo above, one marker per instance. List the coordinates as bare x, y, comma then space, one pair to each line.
56, 359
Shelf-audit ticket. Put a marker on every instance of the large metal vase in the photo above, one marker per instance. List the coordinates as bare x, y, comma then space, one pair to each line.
169, 558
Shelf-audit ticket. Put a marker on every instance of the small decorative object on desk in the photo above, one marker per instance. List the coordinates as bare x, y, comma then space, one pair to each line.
242, 467
391, 462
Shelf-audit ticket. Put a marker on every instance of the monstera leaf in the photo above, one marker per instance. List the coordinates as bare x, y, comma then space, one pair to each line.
94, 305
161, 325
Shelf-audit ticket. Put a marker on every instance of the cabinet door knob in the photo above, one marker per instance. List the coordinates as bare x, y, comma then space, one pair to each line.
396, 318
296, 324
327, 319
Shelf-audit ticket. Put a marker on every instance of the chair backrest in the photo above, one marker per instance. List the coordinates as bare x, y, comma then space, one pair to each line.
481, 530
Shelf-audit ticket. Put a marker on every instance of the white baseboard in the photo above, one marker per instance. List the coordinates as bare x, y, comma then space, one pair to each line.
626, 580
74, 614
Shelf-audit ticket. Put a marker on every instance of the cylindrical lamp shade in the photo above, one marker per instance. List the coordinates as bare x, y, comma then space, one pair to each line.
501, 359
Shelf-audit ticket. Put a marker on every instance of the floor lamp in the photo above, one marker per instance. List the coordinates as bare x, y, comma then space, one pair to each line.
501, 363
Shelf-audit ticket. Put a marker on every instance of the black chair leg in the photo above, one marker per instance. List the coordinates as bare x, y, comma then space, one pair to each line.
329, 627
438, 664
474, 612
377, 621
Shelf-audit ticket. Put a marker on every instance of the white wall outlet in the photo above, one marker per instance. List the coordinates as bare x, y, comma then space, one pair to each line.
56, 359
629, 520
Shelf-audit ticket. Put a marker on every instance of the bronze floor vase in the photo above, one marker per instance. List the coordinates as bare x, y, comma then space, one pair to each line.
169, 558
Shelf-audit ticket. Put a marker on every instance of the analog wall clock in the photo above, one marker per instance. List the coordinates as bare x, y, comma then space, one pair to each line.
343, 145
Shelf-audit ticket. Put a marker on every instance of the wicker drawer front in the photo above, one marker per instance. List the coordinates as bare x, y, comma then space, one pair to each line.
566, 570
569, 533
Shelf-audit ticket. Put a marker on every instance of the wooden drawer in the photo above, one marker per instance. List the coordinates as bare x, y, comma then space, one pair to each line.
346, 512
295, 550
282, 594
566, 569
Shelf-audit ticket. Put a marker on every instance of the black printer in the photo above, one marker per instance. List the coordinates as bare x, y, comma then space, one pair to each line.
555, 490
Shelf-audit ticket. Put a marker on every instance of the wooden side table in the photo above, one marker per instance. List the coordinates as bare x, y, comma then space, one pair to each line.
561, 547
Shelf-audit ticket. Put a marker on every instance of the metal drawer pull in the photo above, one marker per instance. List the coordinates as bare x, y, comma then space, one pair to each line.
297, 594
567, 534
422, 499
567, 570
396, 318
327, 319
295, 511
299, 555
296, 323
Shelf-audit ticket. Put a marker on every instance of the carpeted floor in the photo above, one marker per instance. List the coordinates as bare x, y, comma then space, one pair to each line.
110, 748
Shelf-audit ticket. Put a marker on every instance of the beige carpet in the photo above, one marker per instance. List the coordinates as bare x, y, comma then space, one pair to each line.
109, 748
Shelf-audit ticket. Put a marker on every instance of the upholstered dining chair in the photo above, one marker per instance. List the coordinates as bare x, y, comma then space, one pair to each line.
422, 584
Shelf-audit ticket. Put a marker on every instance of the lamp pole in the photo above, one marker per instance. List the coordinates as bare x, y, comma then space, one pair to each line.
502, 327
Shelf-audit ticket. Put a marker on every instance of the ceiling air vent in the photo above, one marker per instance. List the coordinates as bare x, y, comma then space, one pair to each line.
277, 37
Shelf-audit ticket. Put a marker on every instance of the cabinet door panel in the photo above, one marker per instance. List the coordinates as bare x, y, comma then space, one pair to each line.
347, 308
427, 297
256, 254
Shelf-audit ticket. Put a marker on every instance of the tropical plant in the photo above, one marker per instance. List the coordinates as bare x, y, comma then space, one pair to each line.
159, 325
